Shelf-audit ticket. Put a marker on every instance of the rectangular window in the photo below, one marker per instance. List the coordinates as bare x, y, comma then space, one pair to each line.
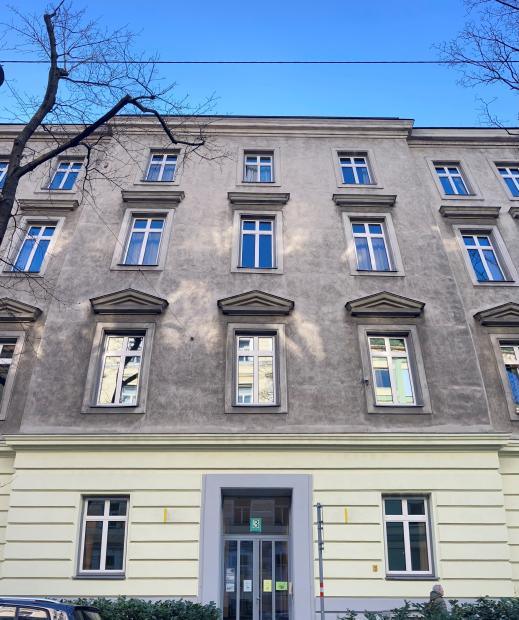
483, 257
7, 348
3, 172
258, 168
33, 250
355, 169
451, 179
510, 176
408, 541
162, 167
103, 540
510, 353
371, 247
120, 371
144, 240
390, 365
257, 243
65, 175
255, 369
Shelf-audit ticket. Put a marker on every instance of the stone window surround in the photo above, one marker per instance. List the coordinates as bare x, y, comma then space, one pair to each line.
498, 244
470, 182
72, 155
11, 376
496, 339
374, 169
410, 332
395, 259
94, 365
79, 574
280, 364
25, 222
140, 178
301, 545
259, 148
123, 236
494, 164
254, 213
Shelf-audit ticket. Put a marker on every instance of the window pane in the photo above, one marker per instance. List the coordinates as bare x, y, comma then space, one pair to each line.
508, 354
363, 175
265, 252
115, 545
477, 264
265, 225
383, 391
245, 394
24, 254
397, 345
404, 390
39, 255
135, 343
70, 180
118, 507
48, 231
494, 268
114, 343
347, 174
416, 507
247, 251
250, 173
109, 380
484, 241
4, 371
153, 173
140, 223
7, 612
56, 180
157, 224
447, 187
249, 225
460, 185
514, 189
169, 173
363, 258
395, 546
418, 544
245, 344
134, 248
266, 380
393, 506
468, 240
245, 372
265, 174
377, 344
130, 380
513, 379
265, 343
151, 254
95, 507
375, 229
92, 549
379, 250
358, 228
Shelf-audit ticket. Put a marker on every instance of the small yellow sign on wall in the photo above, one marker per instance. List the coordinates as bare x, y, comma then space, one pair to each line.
281, 585
267, 585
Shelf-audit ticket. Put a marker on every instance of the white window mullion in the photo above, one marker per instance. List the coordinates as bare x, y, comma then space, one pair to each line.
370, 250
104, 536
256, 243
255, 372
483, 259
119, 383
144, 241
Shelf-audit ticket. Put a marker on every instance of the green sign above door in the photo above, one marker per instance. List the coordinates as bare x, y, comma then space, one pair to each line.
255, 524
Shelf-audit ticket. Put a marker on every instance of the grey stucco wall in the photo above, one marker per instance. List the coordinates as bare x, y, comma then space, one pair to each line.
325, 390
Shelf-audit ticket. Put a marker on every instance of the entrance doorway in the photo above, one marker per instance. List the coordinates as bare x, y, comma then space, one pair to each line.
256, 558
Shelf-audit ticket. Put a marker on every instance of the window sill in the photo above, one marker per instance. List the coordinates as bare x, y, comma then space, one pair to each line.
22, 274
360, 185
143, 182
258, 184
400, 409
255, 409
430, 577
499, 283
123, 267
93, 409
271, 271
391, 273
47, 191
464, 197
118, 576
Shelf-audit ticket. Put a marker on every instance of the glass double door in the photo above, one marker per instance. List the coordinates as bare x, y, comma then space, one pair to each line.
256, 582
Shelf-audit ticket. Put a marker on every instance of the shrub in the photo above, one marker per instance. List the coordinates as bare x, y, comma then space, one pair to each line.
124, 608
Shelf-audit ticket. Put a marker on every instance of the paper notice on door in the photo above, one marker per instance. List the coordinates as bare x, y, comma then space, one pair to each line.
229, 580
281, 585
267, 585
229, 587
247, 585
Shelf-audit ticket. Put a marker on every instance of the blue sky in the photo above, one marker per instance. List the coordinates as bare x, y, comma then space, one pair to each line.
324, 29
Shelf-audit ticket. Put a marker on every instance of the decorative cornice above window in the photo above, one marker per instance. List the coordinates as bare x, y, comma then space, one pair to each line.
255, 303
12, 311
505, 315
469, 213
258, 199
47, 204
385, 305
514, 212
128, 301
369, 202
152, 197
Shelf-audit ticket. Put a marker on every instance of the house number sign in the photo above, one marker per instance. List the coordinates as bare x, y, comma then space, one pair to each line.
256, 524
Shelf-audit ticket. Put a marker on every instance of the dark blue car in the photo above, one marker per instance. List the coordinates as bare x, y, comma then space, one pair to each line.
21, 608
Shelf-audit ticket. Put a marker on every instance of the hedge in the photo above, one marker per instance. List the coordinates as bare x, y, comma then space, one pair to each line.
124, 608
482, 609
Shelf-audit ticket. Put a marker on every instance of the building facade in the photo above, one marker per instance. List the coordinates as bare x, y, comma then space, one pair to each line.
207, 349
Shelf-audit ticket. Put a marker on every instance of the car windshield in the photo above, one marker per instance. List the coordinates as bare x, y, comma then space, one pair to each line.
85, 613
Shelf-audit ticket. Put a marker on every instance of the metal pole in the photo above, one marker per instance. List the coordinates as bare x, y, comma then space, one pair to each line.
320, 546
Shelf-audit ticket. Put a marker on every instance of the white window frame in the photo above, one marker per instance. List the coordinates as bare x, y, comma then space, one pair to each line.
277, 218
498, 245
163, 163
422, 404
497, 340
480, 249
392, 248
147, 230
19, 237
257, 165
356, 150
258, 149
255, 353
355, 155
4, 164
19, 335
470, 182
69, 162
390, 356
231, 373
123, 238
450, 176
37, 239
106, 518
406, 519
90, 399
508, 165
257, 233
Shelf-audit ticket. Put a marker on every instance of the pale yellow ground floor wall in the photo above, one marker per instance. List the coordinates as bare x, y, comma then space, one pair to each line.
473, 489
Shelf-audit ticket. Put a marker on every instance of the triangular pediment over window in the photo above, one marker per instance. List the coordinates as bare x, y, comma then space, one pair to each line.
385, 305
505, 315
12, 311
128, 301
255, 303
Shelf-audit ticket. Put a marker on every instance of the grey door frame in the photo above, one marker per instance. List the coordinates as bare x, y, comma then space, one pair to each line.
300, 539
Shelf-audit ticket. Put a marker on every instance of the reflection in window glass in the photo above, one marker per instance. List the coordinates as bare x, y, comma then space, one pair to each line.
391, 372
144, 241
354, 169
65, 175
483, 257
34, 248
510, 176
510, 353
120, 369
257, 243
370, 246
451, 179
258, 168
7, 347
255, 368
162, 167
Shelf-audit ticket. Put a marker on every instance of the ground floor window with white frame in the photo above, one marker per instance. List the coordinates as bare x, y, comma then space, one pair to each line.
103, 535
407, 535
